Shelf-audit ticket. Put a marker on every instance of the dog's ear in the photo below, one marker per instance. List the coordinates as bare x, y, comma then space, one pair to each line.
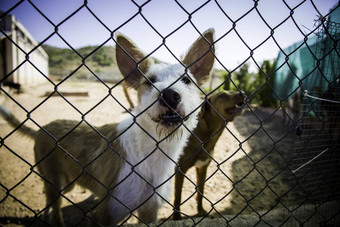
200, 58
130, 61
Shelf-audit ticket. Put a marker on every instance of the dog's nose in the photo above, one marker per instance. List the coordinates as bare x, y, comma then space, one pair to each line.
242, 94
170, 98
241, 97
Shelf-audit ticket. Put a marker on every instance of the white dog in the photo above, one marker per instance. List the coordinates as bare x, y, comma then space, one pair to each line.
127, 166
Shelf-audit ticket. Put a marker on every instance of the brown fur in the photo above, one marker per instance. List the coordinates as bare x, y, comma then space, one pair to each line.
65, 158
72, 152
67, 153
127, 96
213, 118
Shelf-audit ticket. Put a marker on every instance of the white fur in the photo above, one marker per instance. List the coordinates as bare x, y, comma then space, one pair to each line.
150, 157
151, 139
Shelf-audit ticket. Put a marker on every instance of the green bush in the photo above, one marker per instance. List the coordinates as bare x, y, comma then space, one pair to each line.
257, 86
63, 61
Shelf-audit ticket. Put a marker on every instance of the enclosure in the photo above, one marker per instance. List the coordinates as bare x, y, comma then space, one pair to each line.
277, 164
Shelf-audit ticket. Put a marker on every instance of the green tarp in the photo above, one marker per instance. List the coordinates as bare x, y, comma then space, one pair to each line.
310, 63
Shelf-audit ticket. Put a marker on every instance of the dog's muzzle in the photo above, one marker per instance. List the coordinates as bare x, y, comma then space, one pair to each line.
239, 103
172, 119
169, 100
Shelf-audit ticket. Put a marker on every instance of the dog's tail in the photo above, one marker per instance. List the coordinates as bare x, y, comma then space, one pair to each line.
15, 123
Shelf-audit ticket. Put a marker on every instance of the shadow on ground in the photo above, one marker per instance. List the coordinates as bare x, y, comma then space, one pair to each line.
262, 179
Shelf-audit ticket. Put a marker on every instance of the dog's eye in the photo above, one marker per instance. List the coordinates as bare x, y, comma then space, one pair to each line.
186, 80
151, 80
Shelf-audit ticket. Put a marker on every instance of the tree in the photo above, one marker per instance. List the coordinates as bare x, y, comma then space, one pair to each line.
263, 84
257, 86
242, 78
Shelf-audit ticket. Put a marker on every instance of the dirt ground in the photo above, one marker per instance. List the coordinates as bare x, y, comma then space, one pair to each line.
249, 172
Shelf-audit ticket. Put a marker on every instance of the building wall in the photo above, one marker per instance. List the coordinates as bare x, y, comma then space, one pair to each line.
21, 64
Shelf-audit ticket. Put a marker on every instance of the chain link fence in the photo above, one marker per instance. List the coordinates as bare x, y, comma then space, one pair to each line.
277, 164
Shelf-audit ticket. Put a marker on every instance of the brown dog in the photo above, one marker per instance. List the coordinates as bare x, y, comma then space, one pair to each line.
215, 114
127, 166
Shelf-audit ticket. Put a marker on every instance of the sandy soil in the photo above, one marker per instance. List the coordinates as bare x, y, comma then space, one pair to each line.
249, 172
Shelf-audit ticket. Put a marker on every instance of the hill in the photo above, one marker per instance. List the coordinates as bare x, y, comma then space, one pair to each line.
97, 62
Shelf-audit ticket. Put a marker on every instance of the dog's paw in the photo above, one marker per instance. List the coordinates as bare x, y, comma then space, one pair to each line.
201, 213
177, 216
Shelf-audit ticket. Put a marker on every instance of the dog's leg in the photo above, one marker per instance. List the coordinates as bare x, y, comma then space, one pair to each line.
53, 214
179, 178
201, 173
55, 177
148, 212
126, 197
127, 96
110, 212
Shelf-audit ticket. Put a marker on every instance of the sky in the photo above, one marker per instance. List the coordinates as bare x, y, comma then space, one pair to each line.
236, 32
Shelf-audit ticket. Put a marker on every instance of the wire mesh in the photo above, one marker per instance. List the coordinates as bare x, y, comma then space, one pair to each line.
317, 150
301, 187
